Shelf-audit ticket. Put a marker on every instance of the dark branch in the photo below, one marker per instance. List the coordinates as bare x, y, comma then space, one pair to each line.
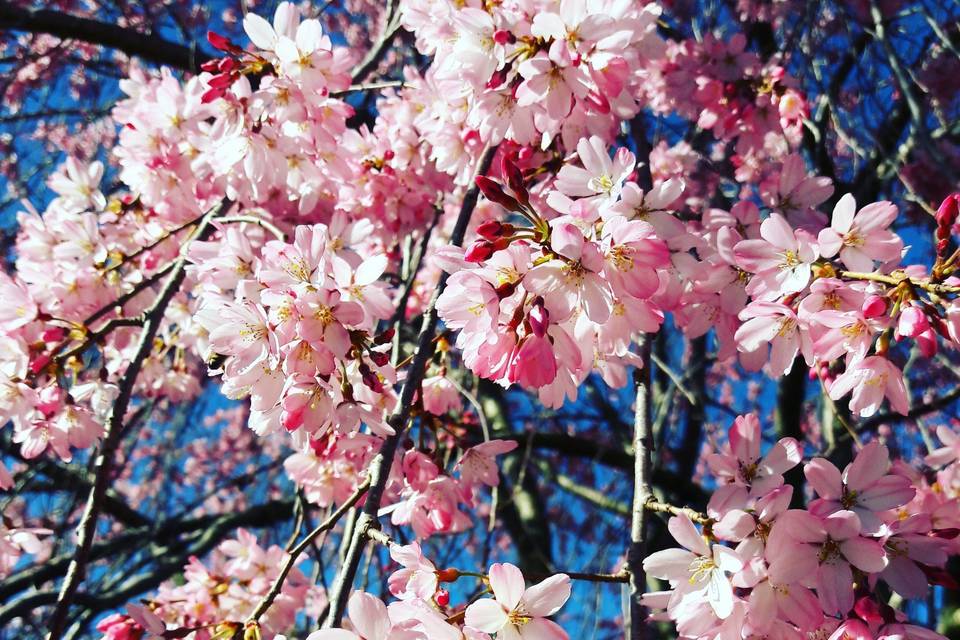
147, 46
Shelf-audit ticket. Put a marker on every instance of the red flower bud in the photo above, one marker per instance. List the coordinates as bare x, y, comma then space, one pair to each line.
480, 251
380, 359
514, 177
874, 306
448, 575
494, 193
210, 65
371, 379
39, 363
442, 597
221, 42
384, 337
494, 229
52, 334
947, 213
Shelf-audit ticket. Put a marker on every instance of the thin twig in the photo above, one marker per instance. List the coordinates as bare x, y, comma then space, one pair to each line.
380, 466
86, 530
291, 560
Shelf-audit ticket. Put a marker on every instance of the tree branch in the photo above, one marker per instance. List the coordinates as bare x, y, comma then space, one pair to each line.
63, 25
115, 426
642, 495
380, 466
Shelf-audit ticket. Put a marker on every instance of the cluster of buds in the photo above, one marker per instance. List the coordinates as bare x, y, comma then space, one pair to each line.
946, 217
228, 69
496, 235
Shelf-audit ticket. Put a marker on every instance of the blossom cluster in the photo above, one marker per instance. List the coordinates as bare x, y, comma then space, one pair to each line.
213, 599
772, 571
424, 611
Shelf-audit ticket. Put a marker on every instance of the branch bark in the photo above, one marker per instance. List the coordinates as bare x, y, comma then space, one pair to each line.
642, 494
103, 466
147, 46
380, 466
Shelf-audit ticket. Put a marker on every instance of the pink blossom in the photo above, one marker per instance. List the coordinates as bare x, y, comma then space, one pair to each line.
744, 471
949, 452
870, 380
478, 464
865, 487
418, 578
697, 572
519, 612
769, 323
861, 237
781, 259
803, 545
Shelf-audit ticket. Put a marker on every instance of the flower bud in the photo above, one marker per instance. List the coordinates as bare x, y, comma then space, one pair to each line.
514, 176
379, 358
913, 321
370, 379
927, 341
947, 212
448, 575
539, 318
494, 193
494, 229
442, 597
384, 337
222, 43
874, 306
480, 251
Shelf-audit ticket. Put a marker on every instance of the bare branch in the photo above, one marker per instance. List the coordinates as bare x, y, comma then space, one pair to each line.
63, 25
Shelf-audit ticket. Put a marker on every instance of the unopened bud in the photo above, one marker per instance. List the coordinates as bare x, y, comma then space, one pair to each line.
947, 212
913, 321
874, 306
927, 342
510, 170
442, 597
379, 358
222, 43
448, 575
494, 229
494, 193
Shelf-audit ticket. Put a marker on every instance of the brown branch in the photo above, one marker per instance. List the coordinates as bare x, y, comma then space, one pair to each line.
291, 560
380, 466
63, 25
642, 496
115, 427
391, 24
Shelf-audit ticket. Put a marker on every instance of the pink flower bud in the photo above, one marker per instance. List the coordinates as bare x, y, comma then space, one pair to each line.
874, 306
222, 43
913, 321
514, 177
52, 334
927, 341
480, 251
539, 319
947, 212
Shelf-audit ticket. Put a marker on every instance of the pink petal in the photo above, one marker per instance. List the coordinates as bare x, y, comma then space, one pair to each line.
870, 465
866, 555
506, 580
546, 598
825, 478
487, 615
684, 532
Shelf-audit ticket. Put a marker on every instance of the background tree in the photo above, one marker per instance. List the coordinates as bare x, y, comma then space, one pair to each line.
729, 97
